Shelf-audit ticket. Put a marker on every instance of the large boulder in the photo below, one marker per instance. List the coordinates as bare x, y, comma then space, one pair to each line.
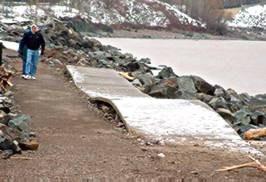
242, 117
204, 97
232, 96
219, 91
186, 83
147, 80
186, 88
258, 118
202, 86
166, 72
218, 102
166, 88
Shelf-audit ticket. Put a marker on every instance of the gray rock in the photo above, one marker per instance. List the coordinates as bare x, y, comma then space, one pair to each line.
203, 86
245, 97
226, 114
131, 66
258, 118
232, 96
204, 97
186, 84
242, 117
136, 83
182, 94
21, 123
99, 55
145, 60
235, 106
219, 91
147, 81
166, 72
128, 56
166, 88
218, 102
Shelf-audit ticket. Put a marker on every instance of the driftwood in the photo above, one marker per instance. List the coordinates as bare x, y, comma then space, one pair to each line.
22, 158
255, 164
255, 133
127, 76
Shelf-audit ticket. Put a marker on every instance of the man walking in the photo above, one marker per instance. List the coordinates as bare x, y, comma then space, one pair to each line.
34, 41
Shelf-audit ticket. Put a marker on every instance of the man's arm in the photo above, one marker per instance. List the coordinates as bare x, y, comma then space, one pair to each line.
42, 44
22, 43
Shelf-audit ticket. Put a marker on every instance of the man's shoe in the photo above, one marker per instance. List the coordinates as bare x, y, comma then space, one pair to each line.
33, 77
27, 77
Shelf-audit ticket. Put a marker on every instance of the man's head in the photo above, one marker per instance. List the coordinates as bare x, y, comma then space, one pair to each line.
34, 28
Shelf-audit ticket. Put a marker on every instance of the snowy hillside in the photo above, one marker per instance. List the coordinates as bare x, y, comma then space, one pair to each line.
251, 17
151, 13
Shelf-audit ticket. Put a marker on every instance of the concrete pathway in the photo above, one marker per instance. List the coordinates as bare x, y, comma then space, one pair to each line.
166, 120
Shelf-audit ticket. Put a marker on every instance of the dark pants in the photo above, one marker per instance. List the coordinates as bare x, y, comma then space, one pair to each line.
24, 60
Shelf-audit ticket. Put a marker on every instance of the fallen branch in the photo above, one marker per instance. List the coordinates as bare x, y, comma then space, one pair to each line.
255, 133
127, 76
255, 164
23, 158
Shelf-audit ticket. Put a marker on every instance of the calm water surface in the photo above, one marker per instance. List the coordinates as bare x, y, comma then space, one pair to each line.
240, 65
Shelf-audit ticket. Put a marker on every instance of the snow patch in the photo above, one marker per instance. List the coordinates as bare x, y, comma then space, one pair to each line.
10, 45
250, 17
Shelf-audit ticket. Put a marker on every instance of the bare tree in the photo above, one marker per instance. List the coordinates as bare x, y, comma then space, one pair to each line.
7, 7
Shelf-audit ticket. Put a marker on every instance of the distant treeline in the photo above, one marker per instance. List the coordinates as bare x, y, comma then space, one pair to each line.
227, 3
32, 1
238, 3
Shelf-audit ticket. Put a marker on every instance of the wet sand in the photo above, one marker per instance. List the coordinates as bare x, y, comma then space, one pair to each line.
240, 65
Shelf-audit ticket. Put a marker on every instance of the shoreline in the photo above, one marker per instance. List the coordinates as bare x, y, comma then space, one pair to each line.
239, 34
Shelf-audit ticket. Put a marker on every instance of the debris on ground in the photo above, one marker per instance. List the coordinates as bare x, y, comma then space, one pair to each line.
15, 132
5, 79
108, 113
161, 155
255, 164
255, 133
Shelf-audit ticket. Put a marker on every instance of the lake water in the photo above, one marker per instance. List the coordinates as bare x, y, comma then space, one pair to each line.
240, 65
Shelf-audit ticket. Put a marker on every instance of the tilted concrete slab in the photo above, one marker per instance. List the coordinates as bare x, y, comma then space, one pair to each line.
167, 120
104, 83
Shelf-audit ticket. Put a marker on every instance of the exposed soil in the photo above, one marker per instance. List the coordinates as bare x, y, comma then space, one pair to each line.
76, 144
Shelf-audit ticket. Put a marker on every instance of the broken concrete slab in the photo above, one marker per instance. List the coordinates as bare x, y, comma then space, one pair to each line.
172, 121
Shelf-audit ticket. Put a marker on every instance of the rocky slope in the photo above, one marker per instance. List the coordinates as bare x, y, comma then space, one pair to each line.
251, 17
140, 13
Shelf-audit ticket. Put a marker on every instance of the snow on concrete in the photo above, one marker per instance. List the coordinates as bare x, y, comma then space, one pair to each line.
167, 120
175, 121
254, 16
104, 83
11, 45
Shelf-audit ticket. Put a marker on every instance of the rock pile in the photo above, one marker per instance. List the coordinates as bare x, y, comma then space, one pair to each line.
15, 133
